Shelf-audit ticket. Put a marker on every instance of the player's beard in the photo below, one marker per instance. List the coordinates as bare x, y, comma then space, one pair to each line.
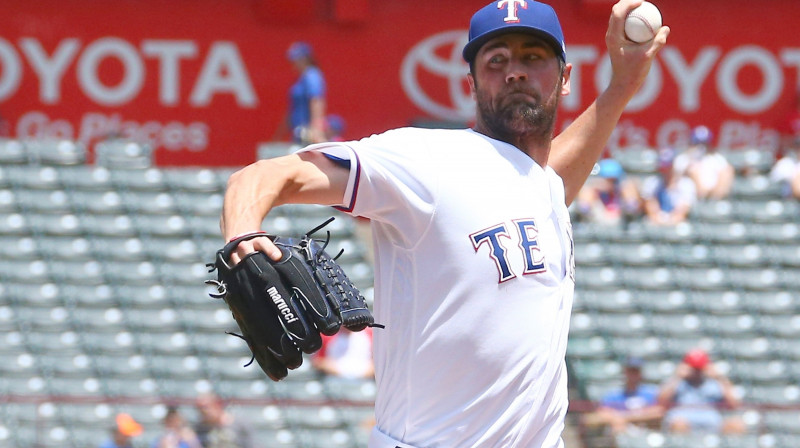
511, 117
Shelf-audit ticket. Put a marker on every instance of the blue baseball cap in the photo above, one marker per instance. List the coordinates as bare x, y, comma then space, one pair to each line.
514, 16
298, 50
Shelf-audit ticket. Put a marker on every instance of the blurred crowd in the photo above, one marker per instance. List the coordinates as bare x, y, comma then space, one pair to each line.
700, 172
346, 356
697, 398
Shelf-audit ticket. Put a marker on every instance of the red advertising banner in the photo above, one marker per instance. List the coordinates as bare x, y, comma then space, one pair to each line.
206, 81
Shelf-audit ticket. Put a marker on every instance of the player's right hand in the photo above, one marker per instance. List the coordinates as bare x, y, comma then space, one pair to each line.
261, 244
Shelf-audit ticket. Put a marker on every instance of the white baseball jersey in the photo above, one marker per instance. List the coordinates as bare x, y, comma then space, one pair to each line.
474, 282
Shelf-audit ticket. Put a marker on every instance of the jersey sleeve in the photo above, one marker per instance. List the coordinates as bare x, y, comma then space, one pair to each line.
391, 178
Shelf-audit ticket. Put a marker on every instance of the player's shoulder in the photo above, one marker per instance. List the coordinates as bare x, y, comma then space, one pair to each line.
409, 140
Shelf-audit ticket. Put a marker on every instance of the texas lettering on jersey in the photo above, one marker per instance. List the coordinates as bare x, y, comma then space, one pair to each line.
526, 230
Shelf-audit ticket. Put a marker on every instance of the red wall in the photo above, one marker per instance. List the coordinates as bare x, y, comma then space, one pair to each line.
207, 80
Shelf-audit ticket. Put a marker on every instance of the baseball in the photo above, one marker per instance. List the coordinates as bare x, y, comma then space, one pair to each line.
643, 23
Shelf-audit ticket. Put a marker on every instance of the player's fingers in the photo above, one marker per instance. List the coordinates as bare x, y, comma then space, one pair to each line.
619, 12
661, 38
265, 245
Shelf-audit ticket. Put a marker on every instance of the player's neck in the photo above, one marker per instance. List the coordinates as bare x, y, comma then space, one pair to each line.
534, 146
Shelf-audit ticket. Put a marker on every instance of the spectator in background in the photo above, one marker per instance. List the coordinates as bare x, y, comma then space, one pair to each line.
633, 406
123, 432
668, 196
790, 129
711, 172
347, 354
786, 172
218, 428
306, 118
177, 434
608, 197
694, 396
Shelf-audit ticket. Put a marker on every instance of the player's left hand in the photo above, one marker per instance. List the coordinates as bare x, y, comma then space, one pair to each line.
630, 61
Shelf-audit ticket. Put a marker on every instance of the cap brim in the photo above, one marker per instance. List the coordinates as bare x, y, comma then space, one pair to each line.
474, 45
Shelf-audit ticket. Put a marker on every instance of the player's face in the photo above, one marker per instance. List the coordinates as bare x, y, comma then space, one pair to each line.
517, 82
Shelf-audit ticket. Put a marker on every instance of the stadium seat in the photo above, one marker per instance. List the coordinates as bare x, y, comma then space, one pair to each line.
44, 201
278, 438
623, 324
771, 211
760, 372
12, 152
77, 272
784, 326
108, 202
668, 301
594, 347
774, 395
34, 177
9, 201
14, 224
754, 187
326, 438
129, 366
193, 203
783, 421
176, 343
56, 152
149, 179
590, 277
750, 160
721, 210
591, 254
610, 301
685, 325
60, 365
649, 278
120, 342
718, 302
65, 247
99, 296
198, 180
123, 154
166, 226
63, 343
43, 224
150, 202
85, 177
108, 225
648, 348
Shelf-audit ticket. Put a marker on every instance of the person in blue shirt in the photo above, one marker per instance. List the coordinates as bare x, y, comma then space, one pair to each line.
305, 119
632, 406
695, 396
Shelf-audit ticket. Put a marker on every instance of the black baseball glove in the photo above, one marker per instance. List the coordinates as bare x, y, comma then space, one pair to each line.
283, 306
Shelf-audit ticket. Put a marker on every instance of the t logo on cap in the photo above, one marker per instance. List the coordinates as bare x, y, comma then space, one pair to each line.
512, 9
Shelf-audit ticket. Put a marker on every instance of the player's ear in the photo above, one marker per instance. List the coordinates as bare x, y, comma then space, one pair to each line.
471, 81
565, 77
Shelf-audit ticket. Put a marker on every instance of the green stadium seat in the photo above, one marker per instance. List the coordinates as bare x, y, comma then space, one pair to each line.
149, 179
12, 152
198, 180
754, 187
720, 302
105, 202
56, 152
44, 201
150, 202
719, 211
649, 278
35, 177
193, 203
